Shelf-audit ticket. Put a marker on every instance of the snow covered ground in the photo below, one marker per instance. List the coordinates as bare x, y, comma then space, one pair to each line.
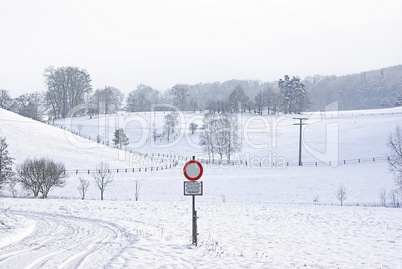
249, 216
145, 234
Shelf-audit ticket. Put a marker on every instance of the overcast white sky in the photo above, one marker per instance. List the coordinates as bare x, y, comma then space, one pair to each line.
161, 43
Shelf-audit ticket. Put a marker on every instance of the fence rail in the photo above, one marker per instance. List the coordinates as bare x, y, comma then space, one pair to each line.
168, 161
263, 165
278, 164
124, 170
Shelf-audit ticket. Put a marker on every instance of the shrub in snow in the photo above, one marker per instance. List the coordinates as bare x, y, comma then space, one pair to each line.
383, 197
39, 176
193, 127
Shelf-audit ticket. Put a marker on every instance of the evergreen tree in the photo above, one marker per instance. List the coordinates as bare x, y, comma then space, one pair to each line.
398, 100
6, 163
120, 139
193, 127
294, 95
385, 103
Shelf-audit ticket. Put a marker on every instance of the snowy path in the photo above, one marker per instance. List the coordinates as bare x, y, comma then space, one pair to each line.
64, 242
129, 234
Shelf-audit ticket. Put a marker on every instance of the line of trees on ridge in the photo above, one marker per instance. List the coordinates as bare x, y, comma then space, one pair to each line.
68, 87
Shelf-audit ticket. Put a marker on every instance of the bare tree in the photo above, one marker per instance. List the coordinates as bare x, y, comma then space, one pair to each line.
99, 138
395, 164
154, 132
233, 143
28, 178
180, 96
171, 121
54, 175
41, 175
395, 158
220, 135
83, 187
207, 134
395, 198
142, 98
5, 99
395, 143
103, 178
383, 197
79, 128
341, 194
67, 87
220, 129
28, 105
107, 100
238, 99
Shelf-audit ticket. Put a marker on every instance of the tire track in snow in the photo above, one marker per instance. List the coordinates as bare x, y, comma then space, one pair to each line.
61, 241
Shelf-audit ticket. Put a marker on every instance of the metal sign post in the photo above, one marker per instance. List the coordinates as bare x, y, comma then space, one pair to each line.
193, 171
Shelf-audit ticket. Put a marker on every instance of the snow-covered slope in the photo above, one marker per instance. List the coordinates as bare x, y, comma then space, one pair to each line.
32, 139
337, 135
356, 134
249, 216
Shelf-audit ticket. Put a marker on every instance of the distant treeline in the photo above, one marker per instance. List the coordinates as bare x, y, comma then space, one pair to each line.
69, 93
366, 90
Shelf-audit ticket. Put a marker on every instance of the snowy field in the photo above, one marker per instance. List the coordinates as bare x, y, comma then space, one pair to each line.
249, 216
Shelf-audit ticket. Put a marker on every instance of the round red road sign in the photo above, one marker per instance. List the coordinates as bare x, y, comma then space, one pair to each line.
193, 170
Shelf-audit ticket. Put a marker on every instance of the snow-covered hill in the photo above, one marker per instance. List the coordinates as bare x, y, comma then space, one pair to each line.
249, 216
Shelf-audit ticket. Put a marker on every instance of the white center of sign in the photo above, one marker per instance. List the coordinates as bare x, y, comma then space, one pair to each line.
193, 170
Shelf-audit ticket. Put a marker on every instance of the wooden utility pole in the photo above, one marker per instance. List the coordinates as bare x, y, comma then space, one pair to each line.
300, 137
